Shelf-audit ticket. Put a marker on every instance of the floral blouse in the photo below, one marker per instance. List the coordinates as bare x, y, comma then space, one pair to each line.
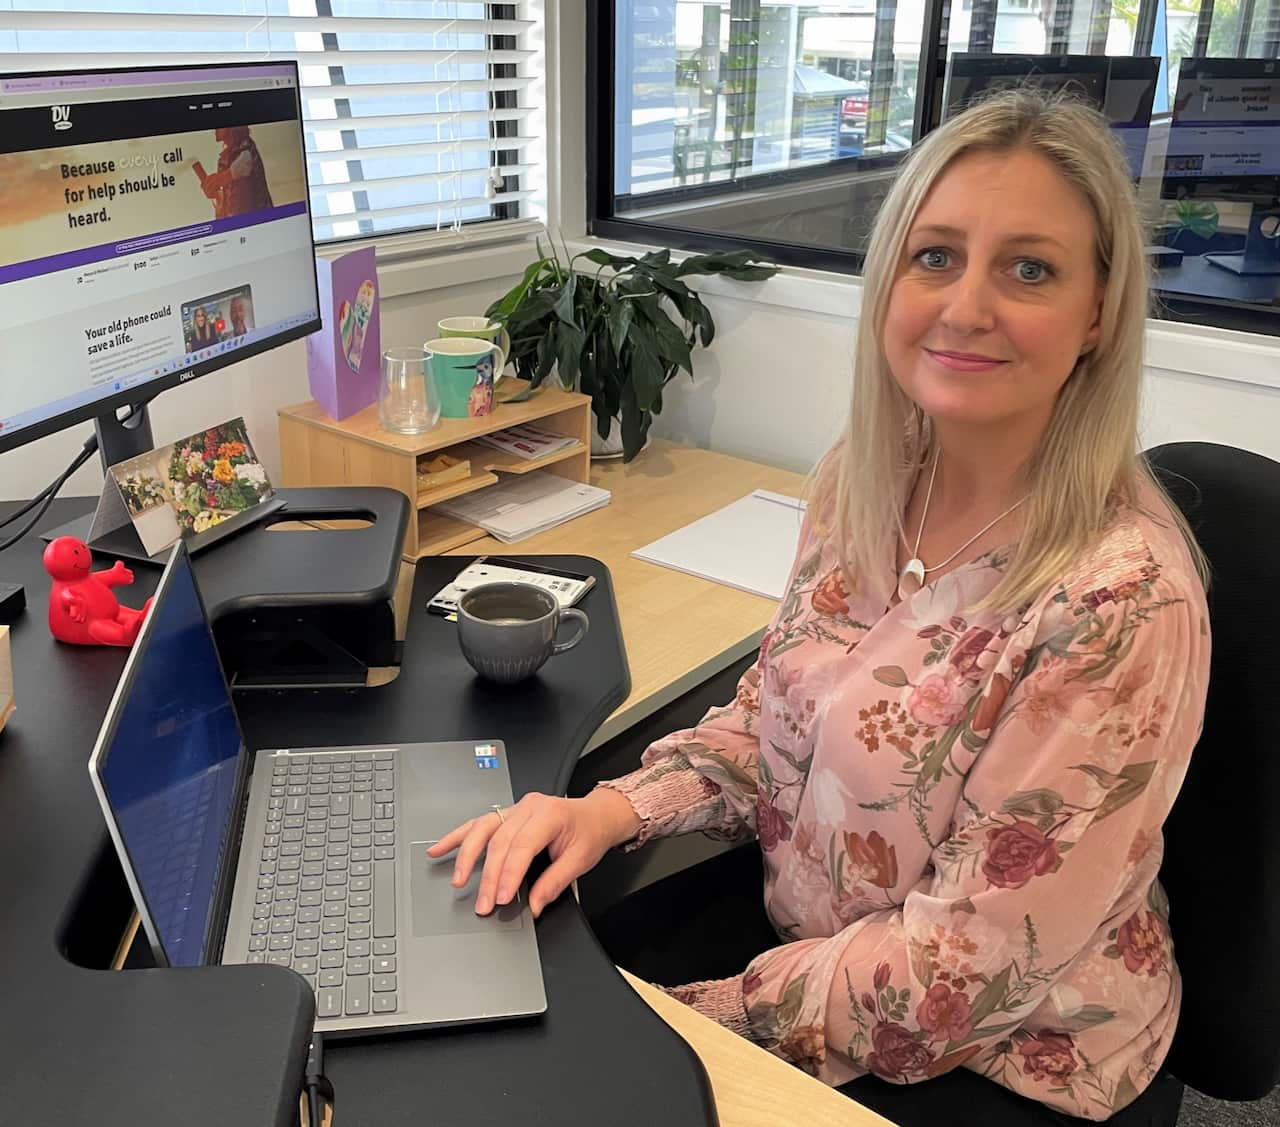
960, 815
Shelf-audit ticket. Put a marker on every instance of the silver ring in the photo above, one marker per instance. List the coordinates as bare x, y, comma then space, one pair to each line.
498, 810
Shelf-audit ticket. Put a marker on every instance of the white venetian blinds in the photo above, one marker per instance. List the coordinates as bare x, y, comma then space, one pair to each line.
418, 112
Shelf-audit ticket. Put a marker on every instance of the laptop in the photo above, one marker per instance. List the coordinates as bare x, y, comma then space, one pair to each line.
312, 858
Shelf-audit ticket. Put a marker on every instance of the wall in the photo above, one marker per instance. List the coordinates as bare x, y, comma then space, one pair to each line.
774, 385
253, 388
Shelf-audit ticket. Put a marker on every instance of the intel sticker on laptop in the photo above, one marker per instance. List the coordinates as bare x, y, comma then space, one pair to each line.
487, 757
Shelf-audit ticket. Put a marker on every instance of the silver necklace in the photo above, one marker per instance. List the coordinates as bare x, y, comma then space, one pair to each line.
911, 577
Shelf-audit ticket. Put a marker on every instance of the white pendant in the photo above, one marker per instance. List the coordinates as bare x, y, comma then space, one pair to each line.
910, 578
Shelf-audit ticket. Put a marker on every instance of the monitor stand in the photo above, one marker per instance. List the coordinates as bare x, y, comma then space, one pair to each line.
118, 441
1261, 248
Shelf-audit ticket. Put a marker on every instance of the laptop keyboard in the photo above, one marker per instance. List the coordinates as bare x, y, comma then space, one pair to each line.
326, 899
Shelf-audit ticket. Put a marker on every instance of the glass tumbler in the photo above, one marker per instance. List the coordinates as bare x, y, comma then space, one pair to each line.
408, 402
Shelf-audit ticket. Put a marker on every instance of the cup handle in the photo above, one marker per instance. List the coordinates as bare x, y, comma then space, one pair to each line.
501, 363
504, 343
583, 623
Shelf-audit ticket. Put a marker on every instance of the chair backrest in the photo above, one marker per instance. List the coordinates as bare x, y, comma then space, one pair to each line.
1222, 840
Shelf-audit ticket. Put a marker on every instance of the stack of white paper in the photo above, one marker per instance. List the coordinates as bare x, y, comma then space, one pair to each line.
749, 545
525, 505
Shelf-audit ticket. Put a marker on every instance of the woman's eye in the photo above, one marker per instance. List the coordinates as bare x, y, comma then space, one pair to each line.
1031, 270
934, 258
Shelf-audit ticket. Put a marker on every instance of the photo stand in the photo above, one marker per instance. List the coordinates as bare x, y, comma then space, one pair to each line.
111, 531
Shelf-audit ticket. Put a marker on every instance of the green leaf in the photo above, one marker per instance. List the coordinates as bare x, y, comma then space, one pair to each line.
766, 774
646, 369
1135, 777
505, 305
546, 356
1085, 1017
564, 306
570, 343
604, 258
1200, 217
620, 318
792, 1000
892, 675
1126, 1092
800, 767
742, 780
991, 997
1105, 778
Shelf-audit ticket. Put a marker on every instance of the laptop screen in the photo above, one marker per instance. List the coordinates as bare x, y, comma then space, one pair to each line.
169, 767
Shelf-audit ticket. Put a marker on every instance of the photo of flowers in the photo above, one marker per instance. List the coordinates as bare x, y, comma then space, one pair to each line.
192, 485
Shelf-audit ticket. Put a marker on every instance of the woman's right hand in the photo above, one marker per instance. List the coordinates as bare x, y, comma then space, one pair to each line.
577, 832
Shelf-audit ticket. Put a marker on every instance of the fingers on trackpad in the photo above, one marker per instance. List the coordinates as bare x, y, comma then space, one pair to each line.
441, 909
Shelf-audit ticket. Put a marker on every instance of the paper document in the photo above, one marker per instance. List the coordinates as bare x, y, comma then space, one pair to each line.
749, 545
525, 505
527, 441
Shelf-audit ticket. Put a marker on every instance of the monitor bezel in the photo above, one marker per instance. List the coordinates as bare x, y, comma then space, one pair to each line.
142, 394
215, 927
1015, 64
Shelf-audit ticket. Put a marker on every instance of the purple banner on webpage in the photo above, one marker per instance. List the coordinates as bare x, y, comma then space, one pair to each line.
142, 243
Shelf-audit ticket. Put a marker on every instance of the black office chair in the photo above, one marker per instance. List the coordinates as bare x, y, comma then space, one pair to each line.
1222, 855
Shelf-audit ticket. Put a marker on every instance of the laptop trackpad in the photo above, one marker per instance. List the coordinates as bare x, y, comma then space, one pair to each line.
441, 909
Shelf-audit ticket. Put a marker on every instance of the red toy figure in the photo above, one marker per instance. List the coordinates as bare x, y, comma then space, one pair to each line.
82, 609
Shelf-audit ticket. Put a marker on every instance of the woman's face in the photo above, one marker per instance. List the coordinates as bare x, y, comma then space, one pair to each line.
998, 293
199, 318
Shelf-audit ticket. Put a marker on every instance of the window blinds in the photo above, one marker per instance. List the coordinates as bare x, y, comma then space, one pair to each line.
417, 112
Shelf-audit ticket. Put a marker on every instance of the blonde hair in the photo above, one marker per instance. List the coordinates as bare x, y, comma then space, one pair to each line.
1088, 460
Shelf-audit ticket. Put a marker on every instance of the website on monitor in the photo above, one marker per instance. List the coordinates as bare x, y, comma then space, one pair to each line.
147, 226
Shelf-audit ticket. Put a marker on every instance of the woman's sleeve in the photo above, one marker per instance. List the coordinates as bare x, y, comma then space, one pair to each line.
705, 778
1096, 723
702, 778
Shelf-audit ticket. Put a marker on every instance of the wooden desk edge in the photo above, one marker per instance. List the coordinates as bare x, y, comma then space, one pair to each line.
633, 711
753, 1088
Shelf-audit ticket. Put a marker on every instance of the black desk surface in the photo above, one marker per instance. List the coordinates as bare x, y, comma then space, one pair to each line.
225, 1045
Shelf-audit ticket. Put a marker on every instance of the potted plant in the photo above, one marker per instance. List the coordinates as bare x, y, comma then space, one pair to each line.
618, 333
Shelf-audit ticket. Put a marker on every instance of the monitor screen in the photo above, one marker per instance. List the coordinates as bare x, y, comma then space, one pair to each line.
154, 226
168, 766
1122, 88
1226, 122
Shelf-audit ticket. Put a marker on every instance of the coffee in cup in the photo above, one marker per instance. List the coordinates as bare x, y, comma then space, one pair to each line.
508, 630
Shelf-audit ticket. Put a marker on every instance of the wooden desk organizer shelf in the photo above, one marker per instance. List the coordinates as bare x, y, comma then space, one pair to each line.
316, 450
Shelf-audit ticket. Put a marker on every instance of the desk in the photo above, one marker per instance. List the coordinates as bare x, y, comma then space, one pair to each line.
665, 488
569, 1058
754, 1088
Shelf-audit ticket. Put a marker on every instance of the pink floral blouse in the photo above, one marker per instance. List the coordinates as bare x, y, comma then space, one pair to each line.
961, 817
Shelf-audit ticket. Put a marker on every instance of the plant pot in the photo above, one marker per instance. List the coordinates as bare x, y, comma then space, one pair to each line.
609, 449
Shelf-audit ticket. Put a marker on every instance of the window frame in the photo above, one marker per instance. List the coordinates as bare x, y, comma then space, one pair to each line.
604, 223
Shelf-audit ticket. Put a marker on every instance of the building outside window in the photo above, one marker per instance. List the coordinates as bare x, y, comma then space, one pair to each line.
780, 126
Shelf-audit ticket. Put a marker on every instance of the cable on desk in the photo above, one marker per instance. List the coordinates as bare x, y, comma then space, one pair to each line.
44, 498
318, 1087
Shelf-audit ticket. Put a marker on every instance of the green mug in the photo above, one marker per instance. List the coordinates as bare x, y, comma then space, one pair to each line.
464, 370
478, 328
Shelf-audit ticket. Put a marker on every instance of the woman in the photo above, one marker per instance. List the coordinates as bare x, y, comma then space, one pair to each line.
978, 699
202, 330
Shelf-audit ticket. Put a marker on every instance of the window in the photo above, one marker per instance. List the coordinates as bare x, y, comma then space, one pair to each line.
779, 126
418, 112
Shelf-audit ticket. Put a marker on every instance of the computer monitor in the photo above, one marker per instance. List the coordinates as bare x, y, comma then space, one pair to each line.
154, 227
1224, 144
1123, 88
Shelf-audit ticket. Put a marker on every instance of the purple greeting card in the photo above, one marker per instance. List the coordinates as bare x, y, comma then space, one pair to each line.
344, 357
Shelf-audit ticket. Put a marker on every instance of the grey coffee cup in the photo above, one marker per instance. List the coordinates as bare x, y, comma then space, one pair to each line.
507, 630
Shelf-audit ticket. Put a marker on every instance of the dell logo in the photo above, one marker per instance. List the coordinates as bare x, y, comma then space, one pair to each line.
61, 117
